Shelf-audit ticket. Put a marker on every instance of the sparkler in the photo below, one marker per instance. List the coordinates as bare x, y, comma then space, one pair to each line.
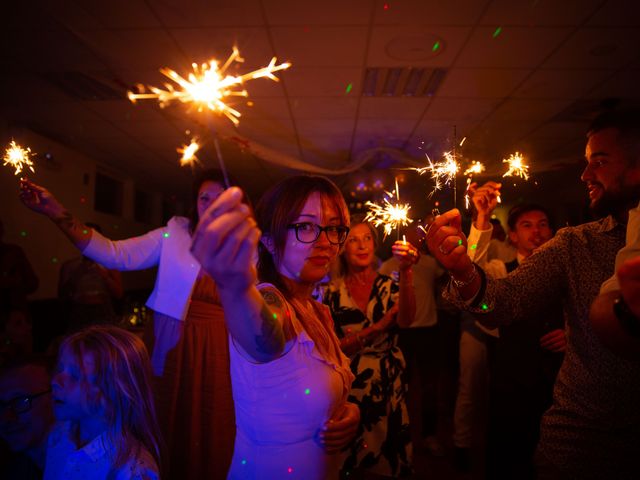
189, 152
391, 215
475, 167
517, 167
207, 86
18, 157
442, 172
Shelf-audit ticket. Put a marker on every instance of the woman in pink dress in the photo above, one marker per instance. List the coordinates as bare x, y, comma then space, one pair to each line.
289, 377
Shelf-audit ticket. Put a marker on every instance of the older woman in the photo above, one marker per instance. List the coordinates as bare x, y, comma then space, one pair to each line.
290, 379
367, 307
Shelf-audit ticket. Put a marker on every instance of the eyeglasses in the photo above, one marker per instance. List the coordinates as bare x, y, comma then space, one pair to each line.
309, 232
21, 404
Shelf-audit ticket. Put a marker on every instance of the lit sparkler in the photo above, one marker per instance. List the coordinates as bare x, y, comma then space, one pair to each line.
475, 167
517, 167
390, 215
442, 172
18, 157
189, 152
207, 86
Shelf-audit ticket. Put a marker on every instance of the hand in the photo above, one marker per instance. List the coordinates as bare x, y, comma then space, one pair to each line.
39, 199
225, 242
554, 341
485, 199
388, 320
405, 253
629, 278
340, 429
448, 244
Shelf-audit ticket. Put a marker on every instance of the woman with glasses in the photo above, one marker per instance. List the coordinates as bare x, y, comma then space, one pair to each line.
368, 308
290, 379
187, 338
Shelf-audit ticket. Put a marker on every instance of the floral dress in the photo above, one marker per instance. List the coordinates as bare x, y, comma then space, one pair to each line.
383, 443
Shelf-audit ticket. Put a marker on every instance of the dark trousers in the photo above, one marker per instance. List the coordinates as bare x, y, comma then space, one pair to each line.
421, 349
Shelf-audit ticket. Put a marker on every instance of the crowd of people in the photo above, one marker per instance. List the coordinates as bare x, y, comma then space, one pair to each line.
281, 347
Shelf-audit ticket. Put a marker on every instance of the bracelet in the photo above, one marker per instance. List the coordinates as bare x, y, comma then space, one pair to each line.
468, 281
628, 321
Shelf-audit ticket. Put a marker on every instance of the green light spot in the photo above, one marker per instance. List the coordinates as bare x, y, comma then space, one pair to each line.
307, 391
485, 306
85, 231
460, 242
54, 260
165, 234
23, 233
349, 88
275, 316
474, 246
497, 32
435, 47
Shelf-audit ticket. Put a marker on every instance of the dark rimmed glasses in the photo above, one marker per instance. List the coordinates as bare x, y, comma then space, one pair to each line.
21, 404
307, 232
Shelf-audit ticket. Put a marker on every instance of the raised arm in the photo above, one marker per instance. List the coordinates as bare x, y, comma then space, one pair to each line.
40, 200
225, 244
407, 256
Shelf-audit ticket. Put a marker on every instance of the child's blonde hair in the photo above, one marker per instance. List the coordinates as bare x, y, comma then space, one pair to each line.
122, 374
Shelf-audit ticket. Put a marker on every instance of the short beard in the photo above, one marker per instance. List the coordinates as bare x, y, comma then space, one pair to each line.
613, 203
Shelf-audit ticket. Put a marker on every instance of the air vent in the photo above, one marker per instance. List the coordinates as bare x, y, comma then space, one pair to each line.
402, 82
83, 87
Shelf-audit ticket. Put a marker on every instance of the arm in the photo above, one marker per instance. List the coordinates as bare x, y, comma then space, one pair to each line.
614, 334
352, 344
40, 200
224, 243
407, 255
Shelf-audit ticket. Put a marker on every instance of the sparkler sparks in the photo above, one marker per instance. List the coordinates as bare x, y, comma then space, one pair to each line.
18, 157
390, 215
517, 167
443, 172
207, 86
475, 167
189, 152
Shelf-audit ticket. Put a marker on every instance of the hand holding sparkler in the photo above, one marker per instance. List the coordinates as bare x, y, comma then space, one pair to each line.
448, 244
485, 200
39, 199
405, 253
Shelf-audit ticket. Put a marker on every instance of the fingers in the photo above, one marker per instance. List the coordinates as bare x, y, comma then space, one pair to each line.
405, 252
212, 233
555, 340
230, 198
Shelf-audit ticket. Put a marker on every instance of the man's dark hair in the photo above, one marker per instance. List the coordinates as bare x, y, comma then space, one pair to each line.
516, 212
627, 122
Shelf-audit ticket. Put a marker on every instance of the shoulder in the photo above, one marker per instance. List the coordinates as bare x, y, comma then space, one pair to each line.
143, 467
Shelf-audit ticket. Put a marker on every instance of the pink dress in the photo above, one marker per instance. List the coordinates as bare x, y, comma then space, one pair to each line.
281, 405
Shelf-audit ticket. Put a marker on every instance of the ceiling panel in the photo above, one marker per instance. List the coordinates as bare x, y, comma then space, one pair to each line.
548, 13
481, 83
561, 83
320, 82
429, 12
406, 108
205, 13
324, 107
328, 12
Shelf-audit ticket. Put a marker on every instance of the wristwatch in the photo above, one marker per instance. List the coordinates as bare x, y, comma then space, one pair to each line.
627, 319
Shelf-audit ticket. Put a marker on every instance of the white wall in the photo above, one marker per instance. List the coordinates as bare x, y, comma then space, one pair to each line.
45, 246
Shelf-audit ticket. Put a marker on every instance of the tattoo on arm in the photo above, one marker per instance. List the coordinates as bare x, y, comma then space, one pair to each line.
271, 339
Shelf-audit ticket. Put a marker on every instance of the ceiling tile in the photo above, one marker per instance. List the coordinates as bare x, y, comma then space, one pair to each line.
622, 85
597, 48
328, 12
460, 110
205, 13
560, 83
547, 13
513, 47
410, 108
321, 82
321, 46
481, 83
324, 107
403, 45
309, 127
616, 13
428, 12
119, 14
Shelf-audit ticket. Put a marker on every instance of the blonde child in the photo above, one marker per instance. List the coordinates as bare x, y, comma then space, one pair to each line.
106, 423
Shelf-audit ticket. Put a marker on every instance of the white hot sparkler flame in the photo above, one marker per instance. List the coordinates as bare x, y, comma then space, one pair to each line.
18, 157
207, 86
